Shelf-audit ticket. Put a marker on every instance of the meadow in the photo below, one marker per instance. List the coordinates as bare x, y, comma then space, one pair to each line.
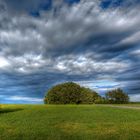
69, 122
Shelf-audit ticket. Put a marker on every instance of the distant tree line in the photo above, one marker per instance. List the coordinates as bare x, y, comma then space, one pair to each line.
72, 93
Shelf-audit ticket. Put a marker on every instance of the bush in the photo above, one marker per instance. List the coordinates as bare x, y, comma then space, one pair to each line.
70, 93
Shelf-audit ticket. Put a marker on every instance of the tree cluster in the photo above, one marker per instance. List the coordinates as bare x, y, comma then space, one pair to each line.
72, 93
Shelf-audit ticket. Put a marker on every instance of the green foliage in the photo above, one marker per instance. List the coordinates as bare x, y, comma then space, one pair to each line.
117, 96
88, 96
101, 100
70, 93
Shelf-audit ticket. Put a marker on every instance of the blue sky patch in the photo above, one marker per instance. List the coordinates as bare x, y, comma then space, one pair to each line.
71, 1
43, 6
110, 3
34, 13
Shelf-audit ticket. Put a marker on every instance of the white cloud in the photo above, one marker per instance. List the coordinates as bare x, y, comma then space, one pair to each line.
101, 85
83, 64
136, 52
29, 43
4, 62
26, 99
135, 97
134, 38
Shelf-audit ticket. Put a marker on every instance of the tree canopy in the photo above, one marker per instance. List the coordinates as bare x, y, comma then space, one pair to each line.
117, 96
70, 93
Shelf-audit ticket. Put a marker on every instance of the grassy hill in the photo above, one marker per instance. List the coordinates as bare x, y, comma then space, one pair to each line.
68, 122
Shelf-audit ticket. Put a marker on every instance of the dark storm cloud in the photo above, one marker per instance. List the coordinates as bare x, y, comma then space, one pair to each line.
32, 7
46, 42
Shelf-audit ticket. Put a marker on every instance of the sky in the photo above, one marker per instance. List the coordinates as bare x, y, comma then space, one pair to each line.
46, 42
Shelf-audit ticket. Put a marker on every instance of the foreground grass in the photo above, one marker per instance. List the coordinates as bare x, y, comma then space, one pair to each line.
68, 122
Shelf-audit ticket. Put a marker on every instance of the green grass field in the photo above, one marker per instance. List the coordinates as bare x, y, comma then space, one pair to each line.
68, 122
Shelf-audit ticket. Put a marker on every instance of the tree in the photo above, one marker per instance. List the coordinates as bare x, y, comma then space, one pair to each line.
101, 100
117, 96
88, 96
66, 93
70, 93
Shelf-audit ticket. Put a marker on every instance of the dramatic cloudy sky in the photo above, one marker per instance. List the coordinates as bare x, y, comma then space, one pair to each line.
95, 43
